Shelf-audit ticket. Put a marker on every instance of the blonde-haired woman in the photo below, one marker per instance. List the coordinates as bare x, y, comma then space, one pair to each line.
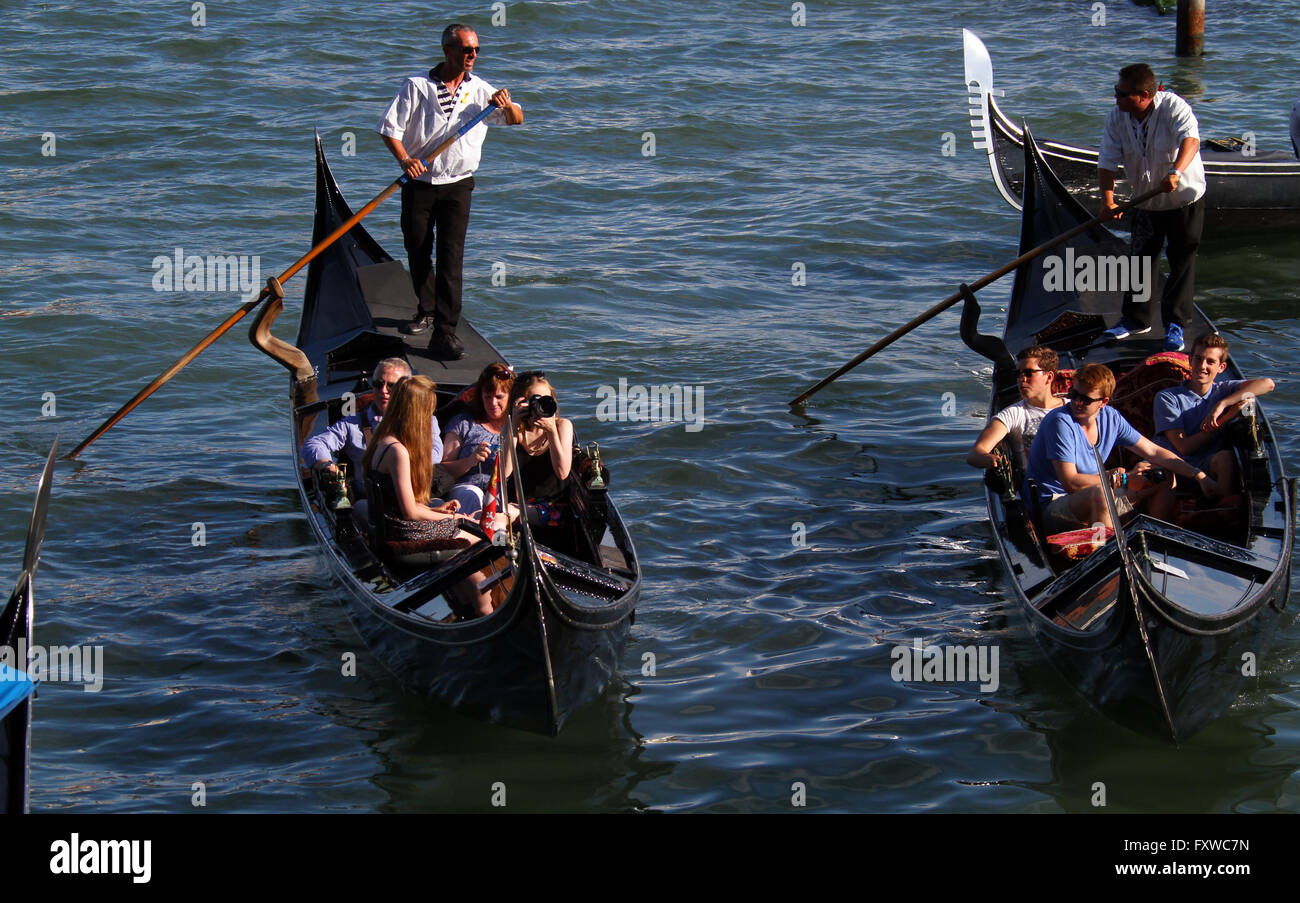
399, 460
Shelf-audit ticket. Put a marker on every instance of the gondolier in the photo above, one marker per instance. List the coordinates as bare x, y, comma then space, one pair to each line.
435, 201
1156, 136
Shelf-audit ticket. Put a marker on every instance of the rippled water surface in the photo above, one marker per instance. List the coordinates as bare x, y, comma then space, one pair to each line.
778, 150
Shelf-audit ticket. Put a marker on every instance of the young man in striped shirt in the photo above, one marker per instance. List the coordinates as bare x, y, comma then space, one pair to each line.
435, 200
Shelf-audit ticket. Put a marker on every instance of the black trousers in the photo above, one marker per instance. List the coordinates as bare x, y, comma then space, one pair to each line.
1181, 230
437, 214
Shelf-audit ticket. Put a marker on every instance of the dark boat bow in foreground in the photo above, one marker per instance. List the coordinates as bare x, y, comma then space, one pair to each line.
1161, 630
552, 643
16, 690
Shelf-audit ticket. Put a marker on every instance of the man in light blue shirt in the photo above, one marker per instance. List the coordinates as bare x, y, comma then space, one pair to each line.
1189, 418
350, 434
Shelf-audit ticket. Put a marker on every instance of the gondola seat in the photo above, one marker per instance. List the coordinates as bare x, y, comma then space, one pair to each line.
1076, 545
1062, 382
1135, 391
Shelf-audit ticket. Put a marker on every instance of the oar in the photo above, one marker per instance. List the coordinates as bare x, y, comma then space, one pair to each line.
974, 286
266, 292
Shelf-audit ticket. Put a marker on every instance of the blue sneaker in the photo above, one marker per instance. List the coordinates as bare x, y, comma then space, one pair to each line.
1123, 329
1174, 338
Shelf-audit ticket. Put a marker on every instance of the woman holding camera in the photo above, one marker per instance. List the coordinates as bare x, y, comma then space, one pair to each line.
543, 446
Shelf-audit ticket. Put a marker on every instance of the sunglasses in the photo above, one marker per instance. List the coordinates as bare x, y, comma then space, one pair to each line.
1076, 395
389, 384
1119, 93
1029, 371
469, 51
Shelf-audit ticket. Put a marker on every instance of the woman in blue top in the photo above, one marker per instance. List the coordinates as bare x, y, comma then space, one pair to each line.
473, 439
1062, 464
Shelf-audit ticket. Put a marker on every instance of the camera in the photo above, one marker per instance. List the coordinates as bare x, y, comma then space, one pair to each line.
540, 406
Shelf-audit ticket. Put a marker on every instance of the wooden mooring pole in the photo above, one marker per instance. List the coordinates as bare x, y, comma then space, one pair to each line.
1191, 27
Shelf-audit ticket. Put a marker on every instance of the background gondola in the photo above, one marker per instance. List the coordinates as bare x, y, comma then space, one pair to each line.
1244, 192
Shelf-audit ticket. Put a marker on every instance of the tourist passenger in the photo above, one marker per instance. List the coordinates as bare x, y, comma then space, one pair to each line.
1154, 134
543, 447
1189, 418
399, 455
1062, 465
350, 434
1036, 369
473, 438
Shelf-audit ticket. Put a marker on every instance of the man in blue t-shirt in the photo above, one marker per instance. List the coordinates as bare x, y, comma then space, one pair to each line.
1064, 468
1189, 418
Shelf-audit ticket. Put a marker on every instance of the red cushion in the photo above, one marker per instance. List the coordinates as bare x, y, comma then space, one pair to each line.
1077, 544
1135, 391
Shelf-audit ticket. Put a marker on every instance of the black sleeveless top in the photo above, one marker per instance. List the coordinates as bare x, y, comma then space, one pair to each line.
540, 482
397, 528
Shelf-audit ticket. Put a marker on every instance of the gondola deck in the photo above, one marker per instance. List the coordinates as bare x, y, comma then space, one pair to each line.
1152, 632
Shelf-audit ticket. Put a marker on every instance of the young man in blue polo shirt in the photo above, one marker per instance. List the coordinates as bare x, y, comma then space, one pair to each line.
1189, 419
1064, 468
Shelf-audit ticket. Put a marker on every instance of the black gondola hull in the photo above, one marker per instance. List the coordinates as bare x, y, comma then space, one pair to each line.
547, 650
1195, 670
1163, 645
16, 727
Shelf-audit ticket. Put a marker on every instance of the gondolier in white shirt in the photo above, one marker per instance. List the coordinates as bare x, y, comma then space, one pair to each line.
1154, 134
429, 108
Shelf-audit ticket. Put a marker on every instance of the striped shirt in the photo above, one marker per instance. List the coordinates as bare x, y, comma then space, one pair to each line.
446, 99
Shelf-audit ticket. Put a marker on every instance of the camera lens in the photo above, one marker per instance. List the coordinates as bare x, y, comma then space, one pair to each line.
541, 406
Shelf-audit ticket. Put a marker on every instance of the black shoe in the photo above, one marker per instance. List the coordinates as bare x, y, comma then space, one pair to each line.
445, 347
420, 324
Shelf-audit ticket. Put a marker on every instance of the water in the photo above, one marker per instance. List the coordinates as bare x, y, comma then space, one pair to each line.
778, 149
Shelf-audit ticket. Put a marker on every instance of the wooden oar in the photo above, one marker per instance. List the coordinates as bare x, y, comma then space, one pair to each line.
974, 286
267, 292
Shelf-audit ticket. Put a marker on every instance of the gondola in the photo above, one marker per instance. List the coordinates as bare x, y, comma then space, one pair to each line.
1161, 627
566, 602
1243, 193
17, 685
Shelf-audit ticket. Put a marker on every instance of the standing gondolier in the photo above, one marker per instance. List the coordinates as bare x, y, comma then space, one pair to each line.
1156, 136
435, 201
